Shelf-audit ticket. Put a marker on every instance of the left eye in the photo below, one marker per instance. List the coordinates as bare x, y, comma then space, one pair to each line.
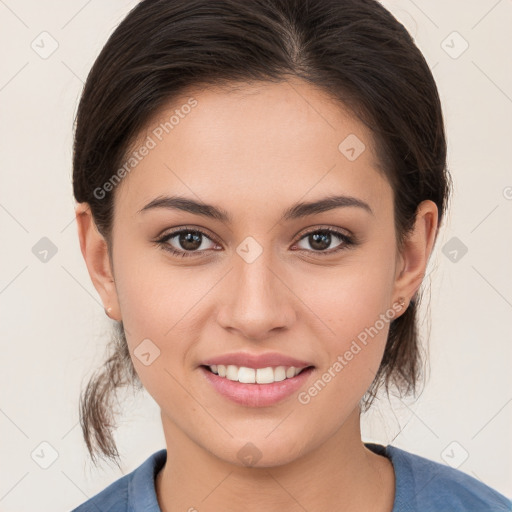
191, 241
321, 238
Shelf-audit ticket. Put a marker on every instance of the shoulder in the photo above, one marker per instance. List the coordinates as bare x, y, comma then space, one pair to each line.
134, 491
426, 485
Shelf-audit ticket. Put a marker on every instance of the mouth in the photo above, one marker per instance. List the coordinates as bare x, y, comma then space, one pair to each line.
256, 387
246, 375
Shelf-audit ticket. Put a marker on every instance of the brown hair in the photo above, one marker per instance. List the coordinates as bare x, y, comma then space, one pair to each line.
355, 50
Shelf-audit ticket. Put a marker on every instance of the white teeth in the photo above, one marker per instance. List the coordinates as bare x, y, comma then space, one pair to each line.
279, 373
246, 375
231, 372
263, 375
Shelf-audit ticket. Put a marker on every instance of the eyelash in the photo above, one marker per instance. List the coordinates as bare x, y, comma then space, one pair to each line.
347, 241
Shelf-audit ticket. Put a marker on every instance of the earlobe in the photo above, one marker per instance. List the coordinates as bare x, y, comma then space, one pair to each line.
95, 252
416, 251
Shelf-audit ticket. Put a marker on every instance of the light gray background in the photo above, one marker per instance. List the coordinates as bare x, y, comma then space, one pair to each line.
53, 327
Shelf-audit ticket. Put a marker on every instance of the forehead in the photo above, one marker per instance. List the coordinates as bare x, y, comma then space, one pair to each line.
265, 144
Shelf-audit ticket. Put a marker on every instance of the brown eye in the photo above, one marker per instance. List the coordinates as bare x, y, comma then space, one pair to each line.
189, 240
321, 239
186, 242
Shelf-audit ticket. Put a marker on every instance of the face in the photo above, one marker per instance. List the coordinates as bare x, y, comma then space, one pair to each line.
319, 286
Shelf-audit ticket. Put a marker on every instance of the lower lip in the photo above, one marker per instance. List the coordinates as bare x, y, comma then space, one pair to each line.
256, 395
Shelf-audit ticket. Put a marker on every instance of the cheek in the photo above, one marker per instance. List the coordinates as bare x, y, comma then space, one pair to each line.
348, 298
352, 336
161, 303
153, 294
353, 311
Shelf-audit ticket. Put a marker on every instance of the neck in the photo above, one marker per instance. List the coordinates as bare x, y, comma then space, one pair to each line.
341, 474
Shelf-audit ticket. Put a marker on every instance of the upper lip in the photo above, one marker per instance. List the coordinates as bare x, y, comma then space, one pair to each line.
256, 360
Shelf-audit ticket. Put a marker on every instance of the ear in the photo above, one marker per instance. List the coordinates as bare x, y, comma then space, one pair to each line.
413, 258
95, 252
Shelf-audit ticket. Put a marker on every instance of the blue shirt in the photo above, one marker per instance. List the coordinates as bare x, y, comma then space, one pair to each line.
421, 485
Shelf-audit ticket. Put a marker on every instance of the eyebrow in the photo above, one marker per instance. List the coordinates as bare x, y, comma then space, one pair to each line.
297, 211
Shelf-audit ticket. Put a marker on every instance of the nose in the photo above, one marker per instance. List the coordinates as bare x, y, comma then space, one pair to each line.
258, 300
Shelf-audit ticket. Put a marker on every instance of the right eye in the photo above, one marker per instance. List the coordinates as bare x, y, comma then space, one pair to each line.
187, 241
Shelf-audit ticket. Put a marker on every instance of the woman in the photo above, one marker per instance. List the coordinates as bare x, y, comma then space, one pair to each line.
260, 185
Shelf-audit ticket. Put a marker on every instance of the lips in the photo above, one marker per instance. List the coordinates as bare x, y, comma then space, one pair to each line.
257, 395
256, 360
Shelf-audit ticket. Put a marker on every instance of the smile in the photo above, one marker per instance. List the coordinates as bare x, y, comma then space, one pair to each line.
267, 386
246, 375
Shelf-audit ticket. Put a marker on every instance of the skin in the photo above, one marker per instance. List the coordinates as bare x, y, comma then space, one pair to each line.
254, 152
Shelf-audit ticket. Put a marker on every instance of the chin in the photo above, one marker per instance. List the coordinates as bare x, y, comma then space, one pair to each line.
259, 453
